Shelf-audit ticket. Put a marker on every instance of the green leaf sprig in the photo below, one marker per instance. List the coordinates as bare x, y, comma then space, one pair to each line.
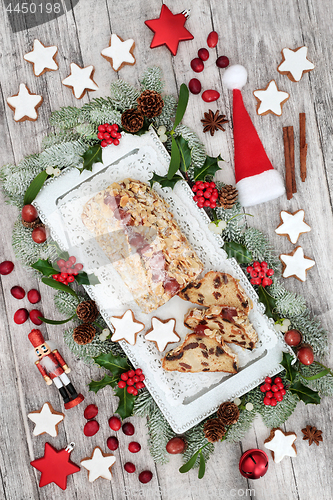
91, 156
304, 393
35, 186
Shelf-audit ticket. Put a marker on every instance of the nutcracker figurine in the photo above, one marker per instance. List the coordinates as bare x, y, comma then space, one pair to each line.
53, 368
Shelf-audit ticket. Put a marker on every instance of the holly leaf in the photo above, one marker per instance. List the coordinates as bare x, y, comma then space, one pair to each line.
126, 403
115, 364
305, 394
91, 156
185, 153
182, 104
86, 279
96, 385
175, 159
164, 181
286, 362
44, 267
238, 251
202, 467
59, 286
210, 167
269, 303
34, 187
188, 466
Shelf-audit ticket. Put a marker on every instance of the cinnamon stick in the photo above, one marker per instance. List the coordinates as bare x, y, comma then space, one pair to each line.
289, 187
303, 147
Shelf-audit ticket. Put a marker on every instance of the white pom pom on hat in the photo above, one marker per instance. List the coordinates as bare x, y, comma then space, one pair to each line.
235, 77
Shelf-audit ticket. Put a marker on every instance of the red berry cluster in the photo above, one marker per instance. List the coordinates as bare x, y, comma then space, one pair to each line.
274, 392
206, 194
133, 380
108, 134
260, 273
68, 270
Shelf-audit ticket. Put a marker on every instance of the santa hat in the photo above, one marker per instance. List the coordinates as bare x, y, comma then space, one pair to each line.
256, 179
36, 338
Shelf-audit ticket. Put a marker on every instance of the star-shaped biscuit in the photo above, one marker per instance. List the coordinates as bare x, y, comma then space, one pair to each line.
99, 465
281, 444
42, 58
80, 80
295, 264
292, 225
119, 52
126, 327
25, 104
46, 420
295, 63
162, 332
270, 99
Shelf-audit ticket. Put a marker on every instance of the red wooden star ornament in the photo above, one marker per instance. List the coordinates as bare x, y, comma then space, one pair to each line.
55, 466
169, 29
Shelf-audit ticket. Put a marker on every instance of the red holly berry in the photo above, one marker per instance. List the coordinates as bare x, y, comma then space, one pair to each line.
128, 429
130, 381
90, 428
203, 54
273, 402
269, 394
145, 476
29, 213
270, 272
33, 296
222, 62
131, 373
90, 412
249, 269
140, 385
17, 292
274, 388
134, 447
268, 380
21, 316
121, 384
280, 385
115, 423
34, 317
129, 467
278, 396
130, 389
6, 267
268, 386
197, 65
266, 282
267, 401
263, 388
39, 235
142, 377
135, 391
112, 443
212, 39
138, 371
277, 380
283, 391
78, 267
124, 376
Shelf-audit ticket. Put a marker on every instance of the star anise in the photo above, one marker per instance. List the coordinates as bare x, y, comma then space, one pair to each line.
312, 434
212, 122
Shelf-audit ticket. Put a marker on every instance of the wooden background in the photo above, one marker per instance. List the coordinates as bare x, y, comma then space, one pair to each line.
252, 34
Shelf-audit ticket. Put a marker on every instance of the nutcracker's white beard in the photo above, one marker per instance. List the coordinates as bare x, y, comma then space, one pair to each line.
48, 364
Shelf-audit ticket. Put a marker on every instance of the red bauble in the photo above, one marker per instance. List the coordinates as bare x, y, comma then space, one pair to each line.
169, 30
222, 62
90, 412
293, 337
17, 292
112, 443
145, 476
34, 317
128, 429
253, 464
6, 267
115, 423
175, 445
29, 213
33, 296
55, 466
305, 354
210, 95
39, 234
21, 316
197, 65
91, 427
129, 467
212, 39
134, 447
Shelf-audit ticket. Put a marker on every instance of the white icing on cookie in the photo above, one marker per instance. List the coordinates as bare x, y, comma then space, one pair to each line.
162, 333
80, 80
42, 58
46, 420
25, 104
295, 63
292, 225
296, 264
119, 51
99, 465
281, 445
126, 327
270, 99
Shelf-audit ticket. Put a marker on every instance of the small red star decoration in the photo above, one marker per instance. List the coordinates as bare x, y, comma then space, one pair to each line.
169, 30
55, 466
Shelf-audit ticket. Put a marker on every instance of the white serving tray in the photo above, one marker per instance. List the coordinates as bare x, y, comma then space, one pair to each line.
184, 398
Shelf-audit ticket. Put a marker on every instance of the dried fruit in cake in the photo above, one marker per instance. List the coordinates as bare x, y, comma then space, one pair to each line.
201, 353
232, 324
217, 288
135, 229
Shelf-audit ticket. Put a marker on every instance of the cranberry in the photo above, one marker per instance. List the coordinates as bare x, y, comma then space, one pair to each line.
112, 443
39, 235
129, 467
128, 429
91, 428
134, 447
197, 65
194, 86
21, 316
17, 292
115, 423
33, 296
212, 39
210, 95
222, 62
145, 476
34, 317
90, 412
293, 337
305, 354
175, 445
203, 54
6, 267
29, 213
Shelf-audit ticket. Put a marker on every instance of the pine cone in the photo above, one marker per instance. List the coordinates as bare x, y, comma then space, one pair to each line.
84, 334
132, 120
150, 103
87, 311
227, 196
228, 413
214, 430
